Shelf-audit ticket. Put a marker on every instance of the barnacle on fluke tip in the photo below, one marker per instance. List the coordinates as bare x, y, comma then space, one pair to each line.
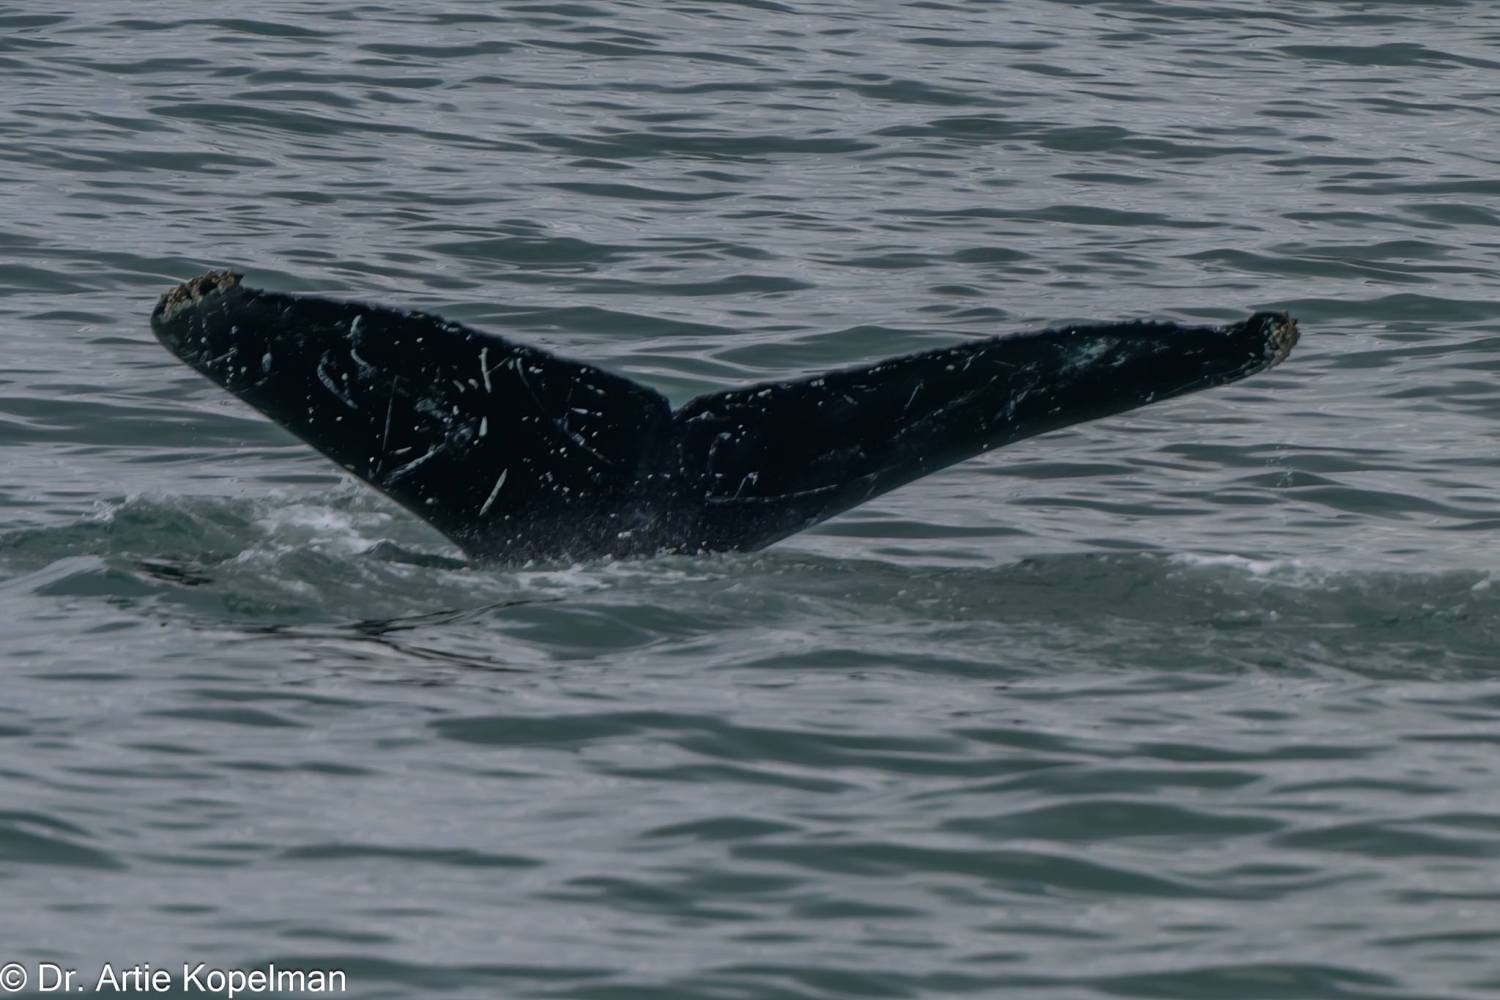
194, 290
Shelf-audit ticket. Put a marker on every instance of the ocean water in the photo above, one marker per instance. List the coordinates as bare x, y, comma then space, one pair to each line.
1201, 701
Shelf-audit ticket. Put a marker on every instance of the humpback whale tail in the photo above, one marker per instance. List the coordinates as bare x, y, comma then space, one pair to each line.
516, 454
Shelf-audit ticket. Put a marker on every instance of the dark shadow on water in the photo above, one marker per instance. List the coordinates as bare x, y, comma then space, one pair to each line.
386, 632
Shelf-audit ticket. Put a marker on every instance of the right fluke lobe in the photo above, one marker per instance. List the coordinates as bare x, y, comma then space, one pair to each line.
516, 454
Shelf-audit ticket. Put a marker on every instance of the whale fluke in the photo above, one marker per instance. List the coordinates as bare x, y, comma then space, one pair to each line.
516, 454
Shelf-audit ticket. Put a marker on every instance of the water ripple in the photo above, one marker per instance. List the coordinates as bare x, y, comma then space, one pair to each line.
1198, 701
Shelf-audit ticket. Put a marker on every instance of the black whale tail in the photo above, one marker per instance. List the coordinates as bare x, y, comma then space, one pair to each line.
516, 454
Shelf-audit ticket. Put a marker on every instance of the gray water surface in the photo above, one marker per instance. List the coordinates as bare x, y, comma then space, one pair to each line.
1196, 702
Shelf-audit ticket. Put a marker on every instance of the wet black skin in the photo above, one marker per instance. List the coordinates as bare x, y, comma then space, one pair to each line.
516, 454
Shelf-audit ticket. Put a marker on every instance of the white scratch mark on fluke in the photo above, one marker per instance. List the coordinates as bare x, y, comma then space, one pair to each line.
409, 466
331, 386
485, 508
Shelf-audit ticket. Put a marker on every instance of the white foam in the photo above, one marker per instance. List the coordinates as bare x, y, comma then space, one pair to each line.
1254, 567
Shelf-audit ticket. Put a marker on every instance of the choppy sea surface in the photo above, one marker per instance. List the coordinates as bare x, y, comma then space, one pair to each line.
1201, 701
